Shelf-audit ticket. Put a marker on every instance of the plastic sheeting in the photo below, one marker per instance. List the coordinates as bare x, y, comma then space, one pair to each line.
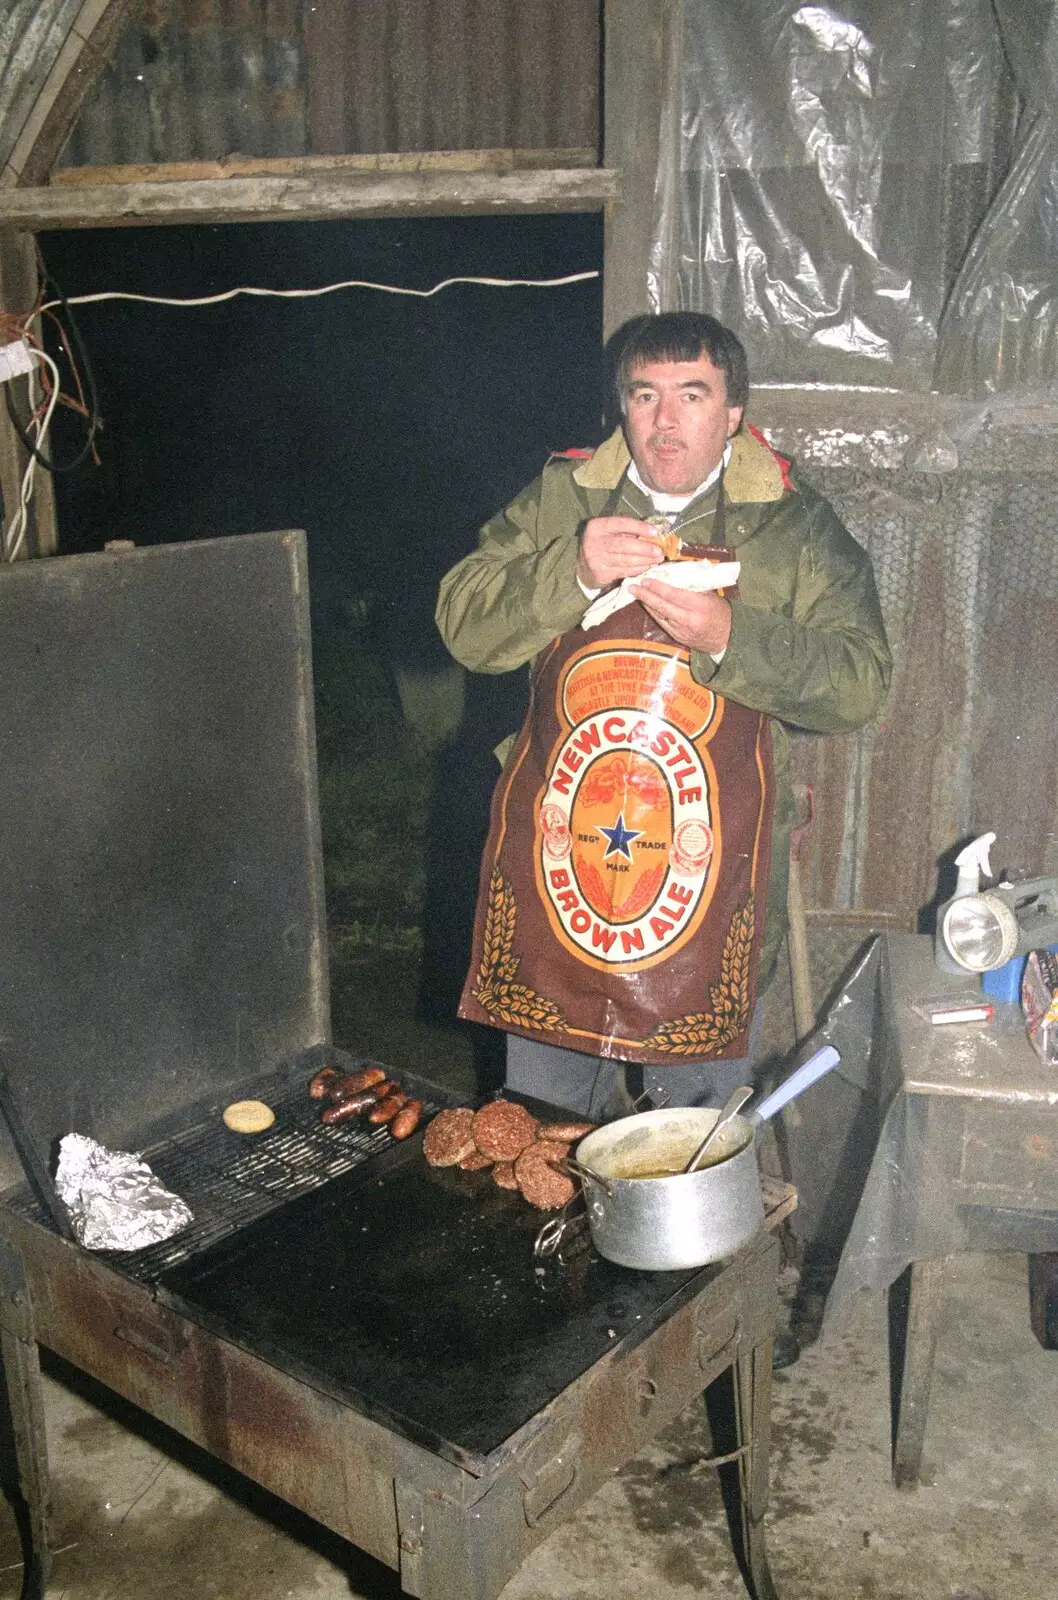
927, 1141
828, 173
828, 1141
1000, 328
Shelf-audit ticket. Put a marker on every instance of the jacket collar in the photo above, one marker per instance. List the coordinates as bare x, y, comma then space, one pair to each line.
754, 473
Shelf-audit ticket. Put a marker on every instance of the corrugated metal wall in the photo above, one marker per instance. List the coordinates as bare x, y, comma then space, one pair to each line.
207, 79
962, 540
453, 75
196, 80
32, 32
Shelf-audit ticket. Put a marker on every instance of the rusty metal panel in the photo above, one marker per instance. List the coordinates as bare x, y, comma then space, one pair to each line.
314, 1453
451, 1536
956, 509
585, 1435
388, 75
201, 80
32, 33
164, 935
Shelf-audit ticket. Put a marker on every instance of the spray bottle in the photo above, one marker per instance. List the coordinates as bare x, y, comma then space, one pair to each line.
971, 862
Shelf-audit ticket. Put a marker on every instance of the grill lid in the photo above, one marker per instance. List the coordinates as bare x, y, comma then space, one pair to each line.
160, 867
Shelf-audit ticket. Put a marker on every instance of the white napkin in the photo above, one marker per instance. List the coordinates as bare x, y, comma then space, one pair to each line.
700, 576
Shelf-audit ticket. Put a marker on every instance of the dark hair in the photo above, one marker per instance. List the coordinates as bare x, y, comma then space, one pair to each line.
681, 336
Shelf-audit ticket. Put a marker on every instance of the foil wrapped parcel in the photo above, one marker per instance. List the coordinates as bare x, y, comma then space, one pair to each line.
114, 1199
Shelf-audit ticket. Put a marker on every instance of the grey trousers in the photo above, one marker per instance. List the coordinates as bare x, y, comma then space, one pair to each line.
595, 1087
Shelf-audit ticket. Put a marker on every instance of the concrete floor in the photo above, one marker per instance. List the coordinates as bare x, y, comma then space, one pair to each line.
139, 1515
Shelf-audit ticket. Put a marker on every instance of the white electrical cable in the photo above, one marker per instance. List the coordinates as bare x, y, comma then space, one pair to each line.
329, 288
15, 533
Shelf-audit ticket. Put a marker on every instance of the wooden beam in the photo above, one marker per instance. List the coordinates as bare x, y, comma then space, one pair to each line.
18, 293
641, 39
325, 195
400, 161
925, 1300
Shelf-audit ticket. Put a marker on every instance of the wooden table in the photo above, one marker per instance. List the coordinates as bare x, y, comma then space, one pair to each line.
967, 1160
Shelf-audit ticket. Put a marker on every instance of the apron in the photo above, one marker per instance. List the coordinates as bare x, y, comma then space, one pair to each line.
620, 906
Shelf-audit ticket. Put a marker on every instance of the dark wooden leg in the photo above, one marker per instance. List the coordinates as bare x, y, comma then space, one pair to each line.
25, 1478
26, 1408
753, 1424
916, 1370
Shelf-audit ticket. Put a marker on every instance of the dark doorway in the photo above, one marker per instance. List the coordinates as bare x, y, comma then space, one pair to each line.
389, 428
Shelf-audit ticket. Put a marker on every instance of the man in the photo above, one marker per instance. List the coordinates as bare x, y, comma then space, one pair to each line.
634, 884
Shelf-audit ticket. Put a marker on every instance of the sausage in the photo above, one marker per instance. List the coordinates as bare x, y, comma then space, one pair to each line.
387, 1109
341, 1091
406, 1121
365, 1078
319, 1085
351, 1106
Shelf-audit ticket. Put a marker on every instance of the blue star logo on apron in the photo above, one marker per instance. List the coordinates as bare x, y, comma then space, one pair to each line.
620, 837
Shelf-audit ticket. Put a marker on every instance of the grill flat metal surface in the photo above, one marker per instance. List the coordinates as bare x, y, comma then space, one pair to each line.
412, 1294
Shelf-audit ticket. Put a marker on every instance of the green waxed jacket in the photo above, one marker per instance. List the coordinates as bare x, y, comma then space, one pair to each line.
807, 644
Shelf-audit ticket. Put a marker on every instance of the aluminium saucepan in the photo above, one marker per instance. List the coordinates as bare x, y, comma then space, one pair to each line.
647, 1212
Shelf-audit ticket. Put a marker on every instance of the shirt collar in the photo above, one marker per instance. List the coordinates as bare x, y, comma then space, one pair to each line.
673, 504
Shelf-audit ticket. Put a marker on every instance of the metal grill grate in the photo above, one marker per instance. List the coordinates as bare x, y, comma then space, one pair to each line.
230, 1179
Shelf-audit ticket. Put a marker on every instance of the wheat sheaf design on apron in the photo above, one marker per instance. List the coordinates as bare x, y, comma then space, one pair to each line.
627, 847
507, 1002
705, 1033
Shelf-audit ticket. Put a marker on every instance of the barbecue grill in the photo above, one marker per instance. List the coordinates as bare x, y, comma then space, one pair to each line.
371, 1339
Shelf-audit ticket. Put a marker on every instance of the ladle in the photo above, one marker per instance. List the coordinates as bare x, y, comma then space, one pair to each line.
732, 1106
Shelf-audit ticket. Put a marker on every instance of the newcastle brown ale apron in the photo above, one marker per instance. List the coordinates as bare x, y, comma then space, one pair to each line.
622, 889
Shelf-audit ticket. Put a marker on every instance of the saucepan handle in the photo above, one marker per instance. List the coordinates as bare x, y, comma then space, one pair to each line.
577, 1170
815, 1067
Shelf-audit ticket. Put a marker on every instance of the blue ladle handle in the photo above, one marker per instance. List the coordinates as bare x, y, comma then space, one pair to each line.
814, 1068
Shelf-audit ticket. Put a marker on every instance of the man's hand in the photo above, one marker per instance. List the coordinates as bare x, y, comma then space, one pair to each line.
697, 621
615, 547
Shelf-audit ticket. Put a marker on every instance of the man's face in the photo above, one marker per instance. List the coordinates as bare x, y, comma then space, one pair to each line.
677, 422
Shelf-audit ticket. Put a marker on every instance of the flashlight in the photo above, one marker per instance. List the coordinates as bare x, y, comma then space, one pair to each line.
984, 931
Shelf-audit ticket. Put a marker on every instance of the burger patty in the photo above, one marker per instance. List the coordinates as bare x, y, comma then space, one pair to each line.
564, 1132
538, 1177
502, 1129
474, 1162
449, 1139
